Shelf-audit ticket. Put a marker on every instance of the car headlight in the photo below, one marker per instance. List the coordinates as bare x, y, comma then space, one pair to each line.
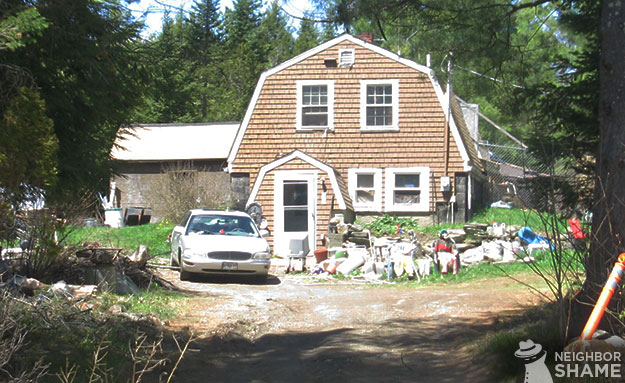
262, 255
191, 254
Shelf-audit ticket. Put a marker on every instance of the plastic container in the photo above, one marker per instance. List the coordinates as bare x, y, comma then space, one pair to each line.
321, 255
113, 217
340, 254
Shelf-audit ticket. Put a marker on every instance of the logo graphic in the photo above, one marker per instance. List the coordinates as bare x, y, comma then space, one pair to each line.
533, 356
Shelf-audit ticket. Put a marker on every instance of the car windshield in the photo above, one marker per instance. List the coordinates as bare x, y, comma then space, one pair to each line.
222, 225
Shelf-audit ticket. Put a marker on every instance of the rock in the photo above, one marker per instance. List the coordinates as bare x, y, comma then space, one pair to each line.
458, 235
475, 228
472, 256
30, 285
116, 309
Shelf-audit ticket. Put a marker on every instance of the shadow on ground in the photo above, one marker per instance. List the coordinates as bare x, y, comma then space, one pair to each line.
428, 350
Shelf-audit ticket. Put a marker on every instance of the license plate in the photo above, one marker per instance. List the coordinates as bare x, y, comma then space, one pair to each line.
229, 266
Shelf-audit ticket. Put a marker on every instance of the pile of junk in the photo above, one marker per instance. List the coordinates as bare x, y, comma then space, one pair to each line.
352, 247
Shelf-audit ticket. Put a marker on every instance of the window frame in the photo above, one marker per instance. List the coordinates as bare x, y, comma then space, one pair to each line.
394, 83
424, 188
300, 104
353, 173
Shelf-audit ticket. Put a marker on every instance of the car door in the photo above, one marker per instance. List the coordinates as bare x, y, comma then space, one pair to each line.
177, 234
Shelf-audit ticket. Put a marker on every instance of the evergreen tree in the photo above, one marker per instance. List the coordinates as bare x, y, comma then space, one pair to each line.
89, 79
276, 35
203, 50
308, 36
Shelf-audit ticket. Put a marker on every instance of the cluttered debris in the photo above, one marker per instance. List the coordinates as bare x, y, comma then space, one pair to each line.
354, 250
92, 268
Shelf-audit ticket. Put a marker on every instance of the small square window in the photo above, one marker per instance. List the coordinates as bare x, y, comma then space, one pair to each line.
407, 189
365, 187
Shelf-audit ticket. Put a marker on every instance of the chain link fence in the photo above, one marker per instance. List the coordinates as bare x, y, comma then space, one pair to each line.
515, 177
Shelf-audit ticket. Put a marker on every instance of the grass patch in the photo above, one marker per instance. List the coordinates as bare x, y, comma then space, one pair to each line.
153, 235
498, 345
156, 300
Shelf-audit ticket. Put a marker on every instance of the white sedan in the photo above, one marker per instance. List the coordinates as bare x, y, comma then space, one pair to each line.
219, 242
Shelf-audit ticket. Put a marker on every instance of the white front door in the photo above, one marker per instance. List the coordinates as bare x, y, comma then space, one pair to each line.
295, 200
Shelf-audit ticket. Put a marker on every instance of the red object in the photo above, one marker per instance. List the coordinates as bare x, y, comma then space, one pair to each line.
321, 255
222, 231
576, 228
444, 246
606, 294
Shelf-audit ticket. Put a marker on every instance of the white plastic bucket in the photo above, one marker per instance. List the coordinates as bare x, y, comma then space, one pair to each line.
114, 217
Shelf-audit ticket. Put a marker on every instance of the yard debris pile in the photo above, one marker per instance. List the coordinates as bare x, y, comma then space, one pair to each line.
82, 272
353, 250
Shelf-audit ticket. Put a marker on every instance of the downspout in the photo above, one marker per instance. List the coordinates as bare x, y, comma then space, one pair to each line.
447, 121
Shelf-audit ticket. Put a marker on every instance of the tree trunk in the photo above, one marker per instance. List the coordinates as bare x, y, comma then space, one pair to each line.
608, 225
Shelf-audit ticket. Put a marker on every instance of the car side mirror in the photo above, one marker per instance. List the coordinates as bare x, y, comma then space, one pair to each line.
264, 233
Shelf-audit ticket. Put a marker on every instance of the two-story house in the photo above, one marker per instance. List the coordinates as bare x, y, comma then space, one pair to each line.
351, 128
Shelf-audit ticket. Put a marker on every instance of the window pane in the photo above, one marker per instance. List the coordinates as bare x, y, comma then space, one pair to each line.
365, 196
295, 219
407, 197
407, 180
315, 116
379, 116
314, 95
364, 181
295, 194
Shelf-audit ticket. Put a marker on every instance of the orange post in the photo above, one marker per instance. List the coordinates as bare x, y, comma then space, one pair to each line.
606, 294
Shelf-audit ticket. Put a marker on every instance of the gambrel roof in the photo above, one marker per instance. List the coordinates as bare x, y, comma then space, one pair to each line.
457, 126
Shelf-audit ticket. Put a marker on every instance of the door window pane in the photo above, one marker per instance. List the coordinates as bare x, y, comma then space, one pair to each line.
295, 193
295, 219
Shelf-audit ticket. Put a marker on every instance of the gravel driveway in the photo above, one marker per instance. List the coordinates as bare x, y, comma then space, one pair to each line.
297, 329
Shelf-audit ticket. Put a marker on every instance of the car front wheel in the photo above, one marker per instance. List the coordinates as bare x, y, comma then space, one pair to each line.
184, 275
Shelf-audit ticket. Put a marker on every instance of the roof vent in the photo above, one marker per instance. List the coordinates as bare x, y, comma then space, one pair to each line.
347, 57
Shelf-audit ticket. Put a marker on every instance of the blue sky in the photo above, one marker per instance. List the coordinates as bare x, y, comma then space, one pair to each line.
154, 9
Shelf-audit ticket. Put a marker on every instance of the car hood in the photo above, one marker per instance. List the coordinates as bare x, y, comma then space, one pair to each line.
216, 242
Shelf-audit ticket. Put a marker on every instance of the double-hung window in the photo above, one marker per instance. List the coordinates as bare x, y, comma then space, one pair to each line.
379, 105
365, 188
315, 104
408, 189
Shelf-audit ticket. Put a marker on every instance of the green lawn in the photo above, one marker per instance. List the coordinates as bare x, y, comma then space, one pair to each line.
153, 235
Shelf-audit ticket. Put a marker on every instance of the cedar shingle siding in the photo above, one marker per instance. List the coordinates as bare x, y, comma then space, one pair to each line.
271, 132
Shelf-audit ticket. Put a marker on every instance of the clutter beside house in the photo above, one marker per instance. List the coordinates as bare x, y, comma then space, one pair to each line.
353, 248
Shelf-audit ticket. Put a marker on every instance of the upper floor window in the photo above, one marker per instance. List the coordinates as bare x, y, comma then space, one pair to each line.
315, 104
379, 105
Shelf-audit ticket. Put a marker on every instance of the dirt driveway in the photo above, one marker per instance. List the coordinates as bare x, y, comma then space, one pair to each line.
296, 329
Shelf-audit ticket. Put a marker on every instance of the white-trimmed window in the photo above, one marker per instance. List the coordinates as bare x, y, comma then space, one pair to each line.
365, 188
315, 104
408, 189
379, 105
